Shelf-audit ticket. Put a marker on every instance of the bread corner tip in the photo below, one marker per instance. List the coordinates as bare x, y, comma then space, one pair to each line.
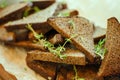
112, 18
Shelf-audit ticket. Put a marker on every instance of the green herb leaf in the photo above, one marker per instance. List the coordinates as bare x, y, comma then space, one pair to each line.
3, 4
80, 79
99, 50
60, 48
63, 56
36, 9
72, 24
63, 14
57, 51
68, 39
75, 70
25, 69
26, 13
36, 35
47, 44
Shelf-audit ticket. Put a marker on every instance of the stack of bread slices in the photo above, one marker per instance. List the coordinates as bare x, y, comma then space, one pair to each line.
61, 44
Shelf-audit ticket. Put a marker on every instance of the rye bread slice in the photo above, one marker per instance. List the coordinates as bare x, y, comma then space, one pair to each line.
27, 45
4, 75
88, 72
21, 35
56, 39
15, 36
36, 5
99, 33
12, 12
113, 77
42, 4
80, 28
38, 20
44, 69
67, 12
110, 64
73, 57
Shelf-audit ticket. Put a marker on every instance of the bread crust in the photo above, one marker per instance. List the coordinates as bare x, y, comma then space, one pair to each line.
83, 29
73, 57
12, 12
110, 64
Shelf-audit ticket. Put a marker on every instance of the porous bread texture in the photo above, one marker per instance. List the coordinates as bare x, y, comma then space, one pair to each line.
111, 62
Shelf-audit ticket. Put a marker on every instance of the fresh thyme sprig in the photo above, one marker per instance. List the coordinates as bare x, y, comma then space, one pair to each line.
3, 4
36, 9
36, 35
72, 24
63, 14
76, 74
27, 11
57, 51
99, 50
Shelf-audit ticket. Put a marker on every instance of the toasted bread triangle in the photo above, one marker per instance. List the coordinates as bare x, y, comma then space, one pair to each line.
73, 56
111, 63
99, 33
37, 19
87, 72
80, 28
45, 69
12, 12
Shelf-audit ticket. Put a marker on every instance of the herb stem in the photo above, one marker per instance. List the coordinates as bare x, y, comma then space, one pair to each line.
99, 50
3, 4
76, 74
57, 51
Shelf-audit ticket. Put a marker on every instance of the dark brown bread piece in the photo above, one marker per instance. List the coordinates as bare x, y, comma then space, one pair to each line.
99, 33
45, 69
73, 57
60, 7
34, 4
27, 45
84, 72
15, 11
115, 77
56, 39
42, 4
37, 20
17, 35
110, 64
21, 35
67, 12
80, 28
39, 31
12, 12
62, 72
4, 75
